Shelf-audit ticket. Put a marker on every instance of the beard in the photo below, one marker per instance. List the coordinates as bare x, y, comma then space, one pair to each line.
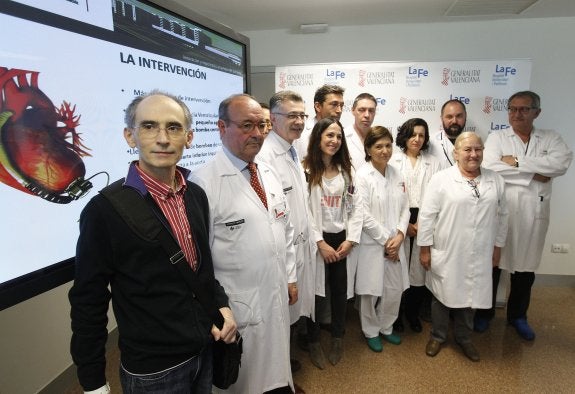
453, 131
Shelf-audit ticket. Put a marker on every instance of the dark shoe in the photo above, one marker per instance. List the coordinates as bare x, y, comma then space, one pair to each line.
415, 325
469, 351
316, 355
392, 338
336, 351
295, 365
523, 329
433, 347
398, 325
375, 344
297, 389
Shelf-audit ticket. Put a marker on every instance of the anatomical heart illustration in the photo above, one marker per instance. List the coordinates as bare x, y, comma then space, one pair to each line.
40, 149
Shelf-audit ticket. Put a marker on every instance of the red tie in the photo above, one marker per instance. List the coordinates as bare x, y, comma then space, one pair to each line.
255, 182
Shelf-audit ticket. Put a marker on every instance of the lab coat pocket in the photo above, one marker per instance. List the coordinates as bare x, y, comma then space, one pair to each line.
246, 307
542, 207
229, 235
438, 262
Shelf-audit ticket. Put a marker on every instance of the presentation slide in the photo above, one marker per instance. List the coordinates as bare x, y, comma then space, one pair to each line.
68, 69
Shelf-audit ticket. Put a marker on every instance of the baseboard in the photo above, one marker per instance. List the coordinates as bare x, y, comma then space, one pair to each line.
554, 280
68, 378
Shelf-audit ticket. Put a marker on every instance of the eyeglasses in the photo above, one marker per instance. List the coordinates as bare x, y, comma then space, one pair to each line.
152, 130
336, 104
247, 127
474, 188
292, 116
521, 110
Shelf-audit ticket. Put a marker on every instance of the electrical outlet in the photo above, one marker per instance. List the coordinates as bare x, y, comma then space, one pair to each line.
560, 248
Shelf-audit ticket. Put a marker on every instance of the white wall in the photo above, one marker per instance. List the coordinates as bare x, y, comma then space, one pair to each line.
548, 42
35, 341
34, 335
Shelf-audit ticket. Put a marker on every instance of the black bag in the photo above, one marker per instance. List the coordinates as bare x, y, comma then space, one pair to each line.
227, 362
142, 219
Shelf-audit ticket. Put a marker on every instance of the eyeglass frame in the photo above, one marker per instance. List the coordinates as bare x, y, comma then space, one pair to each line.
474, 187
154, 129
521, 110
291, 116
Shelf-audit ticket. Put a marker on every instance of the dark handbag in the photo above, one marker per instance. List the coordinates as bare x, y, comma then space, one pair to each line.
227, 362
141, 218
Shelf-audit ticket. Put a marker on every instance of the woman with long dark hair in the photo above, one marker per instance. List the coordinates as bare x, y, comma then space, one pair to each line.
336, 217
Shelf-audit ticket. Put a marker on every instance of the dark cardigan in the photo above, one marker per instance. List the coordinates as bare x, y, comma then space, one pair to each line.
160, 322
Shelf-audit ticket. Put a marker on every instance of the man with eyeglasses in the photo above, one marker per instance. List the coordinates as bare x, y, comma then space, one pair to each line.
528, 158
327, 103
267, 117
164, 329
363, 111
251, 238
288, 118
453, 120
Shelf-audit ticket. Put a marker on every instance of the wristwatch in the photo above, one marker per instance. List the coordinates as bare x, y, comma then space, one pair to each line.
516, 161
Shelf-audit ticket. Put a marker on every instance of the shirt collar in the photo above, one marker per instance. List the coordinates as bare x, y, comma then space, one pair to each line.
236, 161
283, 143
135, 180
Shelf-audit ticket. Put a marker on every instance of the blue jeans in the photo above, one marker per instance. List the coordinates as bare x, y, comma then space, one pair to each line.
191, 376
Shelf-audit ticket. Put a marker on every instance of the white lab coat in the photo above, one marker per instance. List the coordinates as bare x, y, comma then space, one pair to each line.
441, 148
275, 153
385, 212
353, 223
355, 147
528, 200
462, 231
254, 260
429, 166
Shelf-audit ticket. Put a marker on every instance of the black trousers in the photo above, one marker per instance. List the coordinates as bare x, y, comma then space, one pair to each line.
519, 295
336, 279
414, 296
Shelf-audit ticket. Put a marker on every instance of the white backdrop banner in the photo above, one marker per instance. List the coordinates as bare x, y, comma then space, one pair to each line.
418, 89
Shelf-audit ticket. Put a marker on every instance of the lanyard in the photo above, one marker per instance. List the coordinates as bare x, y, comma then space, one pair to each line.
444, 151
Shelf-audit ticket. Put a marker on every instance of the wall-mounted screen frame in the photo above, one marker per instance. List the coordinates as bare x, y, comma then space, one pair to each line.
68, 69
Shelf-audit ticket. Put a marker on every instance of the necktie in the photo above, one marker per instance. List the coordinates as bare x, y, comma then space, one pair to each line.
293, 153
255, 182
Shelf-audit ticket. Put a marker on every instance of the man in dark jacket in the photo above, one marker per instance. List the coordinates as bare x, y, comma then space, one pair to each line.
164, 330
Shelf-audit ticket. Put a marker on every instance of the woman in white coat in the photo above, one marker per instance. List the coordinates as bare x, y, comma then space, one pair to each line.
336, 225
382, 273
462, 227
417, 167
